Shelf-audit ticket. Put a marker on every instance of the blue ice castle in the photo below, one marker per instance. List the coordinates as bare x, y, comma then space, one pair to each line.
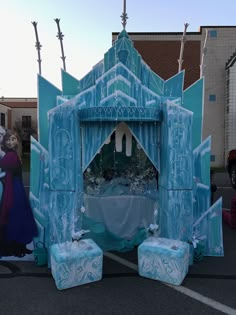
119, 150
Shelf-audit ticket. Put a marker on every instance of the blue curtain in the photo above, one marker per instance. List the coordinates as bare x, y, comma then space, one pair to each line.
94, 134
148, 136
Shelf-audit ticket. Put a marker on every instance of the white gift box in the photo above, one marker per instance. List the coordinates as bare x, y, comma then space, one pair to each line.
163, 259
76, 263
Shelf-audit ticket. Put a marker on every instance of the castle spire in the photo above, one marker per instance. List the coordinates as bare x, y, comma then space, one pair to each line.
60, 37
38, 46
124, 15
183, 40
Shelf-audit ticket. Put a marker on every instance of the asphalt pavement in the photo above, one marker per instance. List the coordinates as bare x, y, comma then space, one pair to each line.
209, 287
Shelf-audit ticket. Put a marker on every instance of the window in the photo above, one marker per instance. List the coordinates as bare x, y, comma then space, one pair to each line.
212, 97
26, 122
213, 158
212, 33
25, 146
3, 120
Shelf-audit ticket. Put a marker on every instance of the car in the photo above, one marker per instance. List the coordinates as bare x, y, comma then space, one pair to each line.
231, 167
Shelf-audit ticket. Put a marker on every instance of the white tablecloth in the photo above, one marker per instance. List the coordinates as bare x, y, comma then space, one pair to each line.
122, 215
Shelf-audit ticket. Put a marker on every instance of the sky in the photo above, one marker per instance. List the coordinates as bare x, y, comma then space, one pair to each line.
87, 27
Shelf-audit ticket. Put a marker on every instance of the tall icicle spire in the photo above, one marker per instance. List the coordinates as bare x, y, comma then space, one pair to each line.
60, 37
38, 46
124, 15
204, 51
183, 39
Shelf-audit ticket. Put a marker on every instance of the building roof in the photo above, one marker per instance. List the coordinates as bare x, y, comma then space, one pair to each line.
19, 104
178, 33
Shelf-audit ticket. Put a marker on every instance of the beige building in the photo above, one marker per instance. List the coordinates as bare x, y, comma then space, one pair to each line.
20, 114
230, 109
161, 52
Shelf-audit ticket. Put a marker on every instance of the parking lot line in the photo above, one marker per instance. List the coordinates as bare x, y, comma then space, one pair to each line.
122, 261
194, 295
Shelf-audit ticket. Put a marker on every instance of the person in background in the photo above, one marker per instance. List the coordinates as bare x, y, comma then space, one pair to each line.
17, 224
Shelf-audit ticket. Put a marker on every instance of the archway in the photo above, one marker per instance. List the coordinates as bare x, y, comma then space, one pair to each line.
120, 192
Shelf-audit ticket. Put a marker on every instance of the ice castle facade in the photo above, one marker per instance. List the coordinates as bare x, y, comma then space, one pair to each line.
121, 94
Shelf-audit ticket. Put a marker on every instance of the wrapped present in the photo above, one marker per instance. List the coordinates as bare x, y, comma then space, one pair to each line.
198, 244
191, 254
76, 263
163, 259
199, 251
40, 254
